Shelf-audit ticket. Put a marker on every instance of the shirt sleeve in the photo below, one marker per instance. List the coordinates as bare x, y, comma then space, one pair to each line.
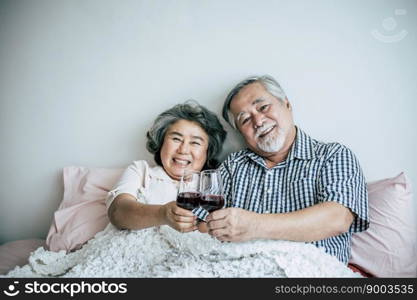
342, 181
130, 182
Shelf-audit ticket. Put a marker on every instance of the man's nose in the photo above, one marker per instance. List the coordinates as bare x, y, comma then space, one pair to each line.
258, 120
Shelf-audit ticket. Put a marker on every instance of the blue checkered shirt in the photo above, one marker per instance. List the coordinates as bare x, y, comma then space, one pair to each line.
314, 172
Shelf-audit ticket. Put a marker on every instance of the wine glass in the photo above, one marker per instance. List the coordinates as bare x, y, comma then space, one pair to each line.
211, 189
188, 196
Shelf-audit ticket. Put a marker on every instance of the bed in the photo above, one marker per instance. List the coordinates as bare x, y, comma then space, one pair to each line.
82, 243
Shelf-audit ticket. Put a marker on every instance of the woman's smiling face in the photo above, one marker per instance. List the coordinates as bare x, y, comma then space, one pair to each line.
184, 149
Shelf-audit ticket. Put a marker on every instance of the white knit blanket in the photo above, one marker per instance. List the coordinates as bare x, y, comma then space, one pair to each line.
164, 252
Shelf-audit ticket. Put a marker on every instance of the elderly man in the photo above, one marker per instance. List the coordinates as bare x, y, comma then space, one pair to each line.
286, 185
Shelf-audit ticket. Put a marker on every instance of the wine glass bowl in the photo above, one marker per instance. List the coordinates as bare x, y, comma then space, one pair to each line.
211, 189
188, 196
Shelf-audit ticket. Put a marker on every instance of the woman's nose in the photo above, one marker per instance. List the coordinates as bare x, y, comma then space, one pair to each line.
183, 148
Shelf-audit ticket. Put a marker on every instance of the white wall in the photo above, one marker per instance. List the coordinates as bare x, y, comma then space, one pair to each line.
81, 81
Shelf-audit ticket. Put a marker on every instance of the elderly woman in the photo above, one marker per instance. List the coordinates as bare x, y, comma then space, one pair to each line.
187, 137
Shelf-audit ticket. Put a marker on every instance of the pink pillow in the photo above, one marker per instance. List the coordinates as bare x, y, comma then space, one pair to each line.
388, 248
82, 212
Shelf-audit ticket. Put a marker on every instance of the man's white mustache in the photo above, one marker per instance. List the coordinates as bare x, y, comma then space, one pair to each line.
261, 130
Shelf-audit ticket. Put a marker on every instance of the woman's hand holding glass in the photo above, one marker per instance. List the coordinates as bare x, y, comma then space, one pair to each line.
179, 218
178, 213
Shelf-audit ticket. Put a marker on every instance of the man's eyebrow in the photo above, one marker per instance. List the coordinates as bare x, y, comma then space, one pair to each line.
256, 101
239, 116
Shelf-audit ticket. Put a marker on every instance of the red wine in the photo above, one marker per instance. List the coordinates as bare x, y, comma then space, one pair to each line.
188, 200
211, 202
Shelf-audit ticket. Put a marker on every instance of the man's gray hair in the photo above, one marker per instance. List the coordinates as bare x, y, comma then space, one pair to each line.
194, 112
270, 84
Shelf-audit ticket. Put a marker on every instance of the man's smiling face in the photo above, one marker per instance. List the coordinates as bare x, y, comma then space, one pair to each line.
264, 120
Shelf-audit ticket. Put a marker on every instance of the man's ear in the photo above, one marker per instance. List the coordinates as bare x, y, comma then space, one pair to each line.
287, 103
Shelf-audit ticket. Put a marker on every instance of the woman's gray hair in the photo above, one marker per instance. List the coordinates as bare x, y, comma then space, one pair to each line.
194, 112
270, 84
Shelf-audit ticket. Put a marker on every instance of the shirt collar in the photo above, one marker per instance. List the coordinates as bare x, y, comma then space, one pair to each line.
302, 147
256, 158
159, 173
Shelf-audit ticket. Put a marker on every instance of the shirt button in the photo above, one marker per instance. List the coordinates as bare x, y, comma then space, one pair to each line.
267, 211
269, 191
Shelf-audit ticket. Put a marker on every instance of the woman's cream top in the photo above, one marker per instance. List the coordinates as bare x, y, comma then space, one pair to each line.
149, 185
